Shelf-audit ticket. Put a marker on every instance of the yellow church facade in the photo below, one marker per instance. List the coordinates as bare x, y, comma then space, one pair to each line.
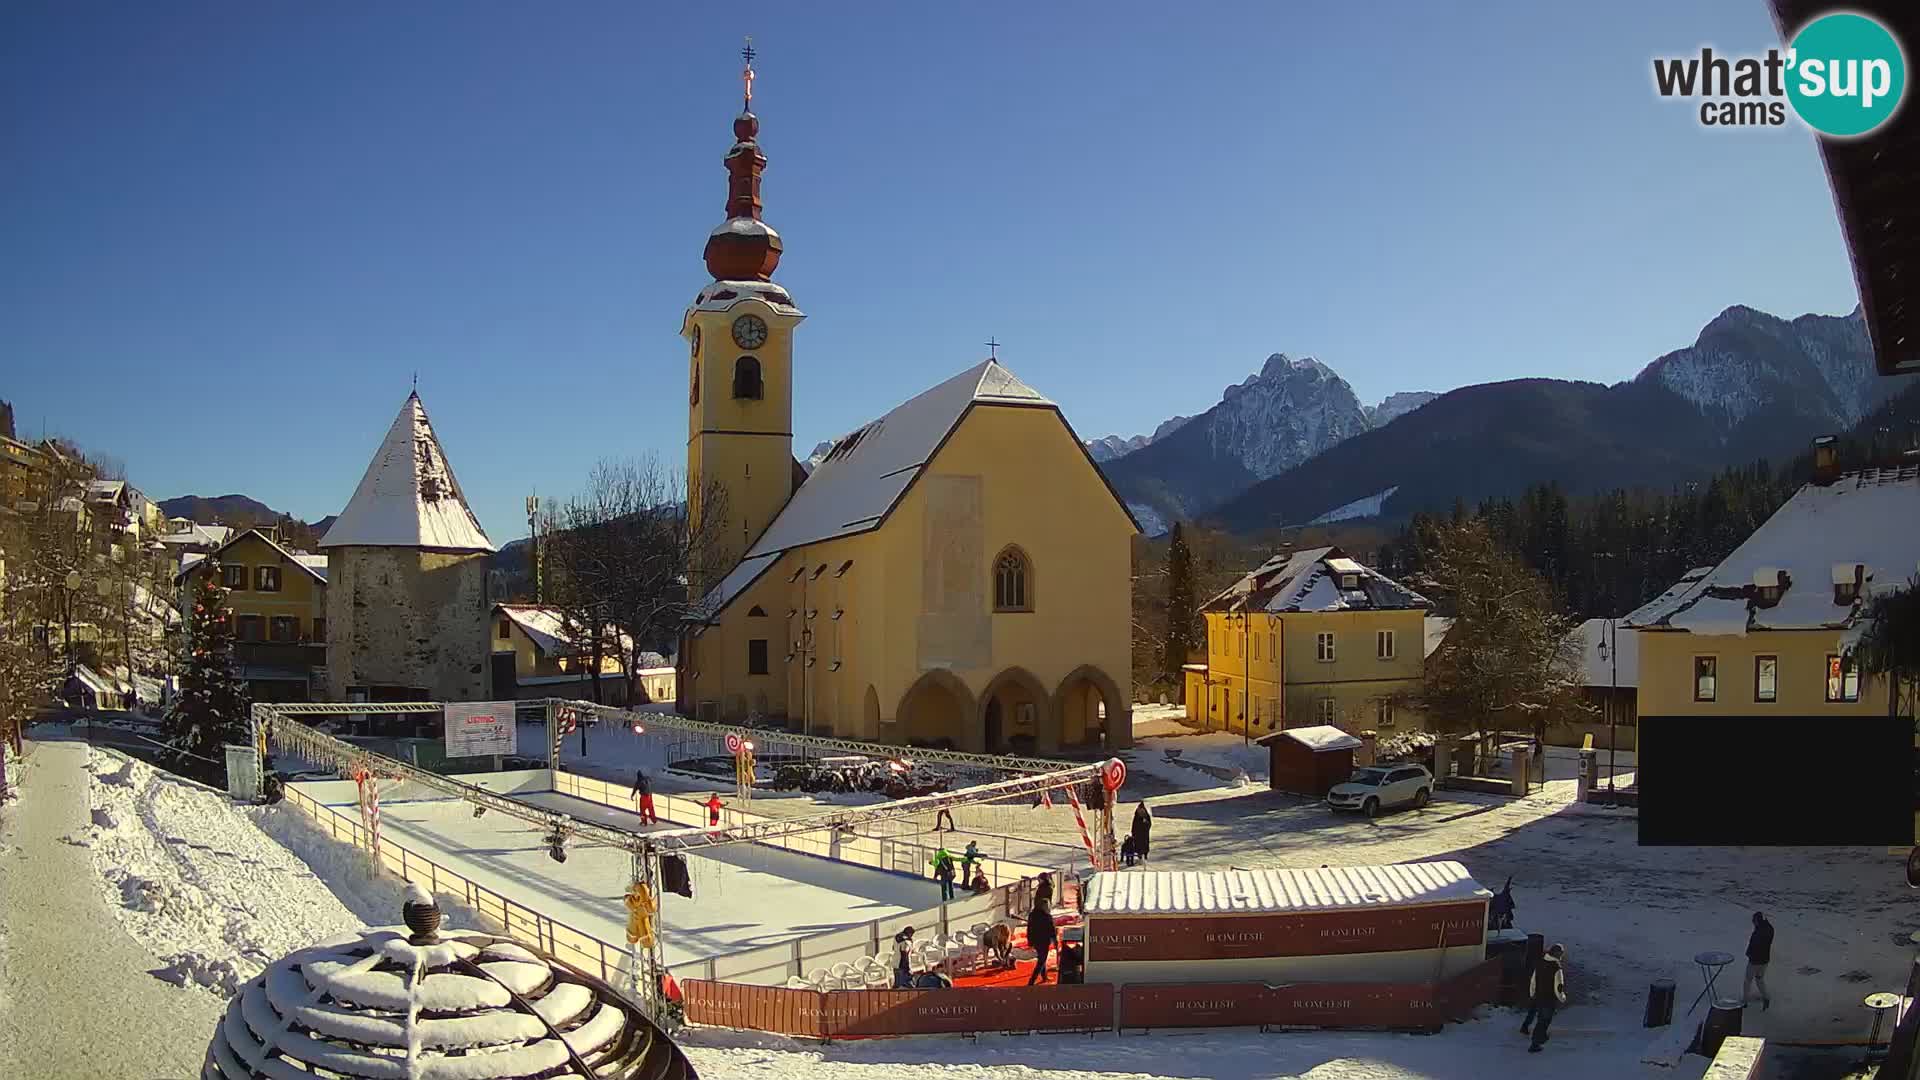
955, 573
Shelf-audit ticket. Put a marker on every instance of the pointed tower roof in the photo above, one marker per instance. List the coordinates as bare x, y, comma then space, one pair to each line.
408, 497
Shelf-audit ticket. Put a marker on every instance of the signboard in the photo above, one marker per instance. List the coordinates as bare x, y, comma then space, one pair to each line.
1312, 933
243, 772
480, 729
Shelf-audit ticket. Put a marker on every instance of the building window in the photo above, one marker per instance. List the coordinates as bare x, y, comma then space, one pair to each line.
1705, 677
266, 579
1843, 680
319, 629
248, 627
1273, 645
1383, 644
505, 631
746, 378
1323, 648
233, 577
1383, 712
1324, 710
757, 656
1256, 646
283, 628
1012, 589
1766, 678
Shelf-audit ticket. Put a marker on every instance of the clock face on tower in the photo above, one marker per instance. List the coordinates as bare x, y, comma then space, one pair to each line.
749, 332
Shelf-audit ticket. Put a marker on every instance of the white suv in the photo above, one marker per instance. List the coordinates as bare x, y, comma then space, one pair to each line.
1373, 787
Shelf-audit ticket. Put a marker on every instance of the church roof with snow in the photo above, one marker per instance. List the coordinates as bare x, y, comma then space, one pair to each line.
867, 471
409, 497
1310, 580
1826, 552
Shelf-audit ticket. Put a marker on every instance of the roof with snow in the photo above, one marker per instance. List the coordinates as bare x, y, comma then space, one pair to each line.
865, 474
722, 295
1318, 737
1618, 664
462, 1005
1207, 892
312, 564
1436, 631
196, 534
547, 628
1866, 522
409, 497
1309, 580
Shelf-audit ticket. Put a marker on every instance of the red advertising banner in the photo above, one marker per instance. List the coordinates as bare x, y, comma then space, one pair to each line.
1330, 1005
1310, 933
841, 1014
757, 1008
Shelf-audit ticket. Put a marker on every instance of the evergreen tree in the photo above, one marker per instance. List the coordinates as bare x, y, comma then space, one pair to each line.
1181, 608
211, 708
1890, 647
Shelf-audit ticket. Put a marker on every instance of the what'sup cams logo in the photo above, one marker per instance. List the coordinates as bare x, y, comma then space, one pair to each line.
1843, 74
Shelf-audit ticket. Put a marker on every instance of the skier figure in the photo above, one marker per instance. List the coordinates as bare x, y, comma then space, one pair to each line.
643, 796
1501, 909
1759, 952
713, 805
1040, 938
944, 870
1548, 990
1142, 830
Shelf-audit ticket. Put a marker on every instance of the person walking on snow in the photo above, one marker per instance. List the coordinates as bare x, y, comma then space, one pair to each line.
1547, 989
643, 795
1040, 938
1142, 830
1043, 894
943, 869
1759, 952
713, 805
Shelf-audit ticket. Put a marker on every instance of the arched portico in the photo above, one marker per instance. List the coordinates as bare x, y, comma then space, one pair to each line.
1090, 711
937, 706
1015, 708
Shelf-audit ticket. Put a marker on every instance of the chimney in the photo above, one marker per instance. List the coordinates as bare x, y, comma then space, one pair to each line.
1848, 580
1826, 459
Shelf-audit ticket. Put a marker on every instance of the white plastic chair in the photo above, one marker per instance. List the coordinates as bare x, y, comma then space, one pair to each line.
844, 978
795, 982
821, 979
928, 955
873, 974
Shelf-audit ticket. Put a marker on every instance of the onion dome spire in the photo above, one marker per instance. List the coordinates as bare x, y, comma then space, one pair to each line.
744, 248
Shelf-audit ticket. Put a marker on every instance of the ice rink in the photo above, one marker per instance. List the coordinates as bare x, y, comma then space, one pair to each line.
744, 895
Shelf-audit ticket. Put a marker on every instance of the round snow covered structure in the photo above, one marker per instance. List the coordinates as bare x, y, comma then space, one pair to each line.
407, 1003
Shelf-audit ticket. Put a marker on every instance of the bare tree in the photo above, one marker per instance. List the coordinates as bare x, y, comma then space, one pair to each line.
621, 556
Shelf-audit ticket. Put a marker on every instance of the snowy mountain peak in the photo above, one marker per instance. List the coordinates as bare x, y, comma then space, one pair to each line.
1397, 405
1746, 363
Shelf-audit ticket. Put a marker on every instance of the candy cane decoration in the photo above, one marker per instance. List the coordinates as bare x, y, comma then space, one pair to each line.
1080, 818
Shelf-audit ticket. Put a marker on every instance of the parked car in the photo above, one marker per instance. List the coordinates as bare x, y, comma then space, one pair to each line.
1376, 787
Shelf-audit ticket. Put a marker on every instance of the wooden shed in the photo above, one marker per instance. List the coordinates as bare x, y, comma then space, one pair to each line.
1309, 760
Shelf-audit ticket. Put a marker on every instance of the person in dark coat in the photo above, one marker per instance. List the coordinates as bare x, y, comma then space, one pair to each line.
1129, 851
968, 858
1547, 992
1500, 911
1043, 893
1040, 938
944, 870
643, 794
903, 970
1142, 830
980, 885
1759, 952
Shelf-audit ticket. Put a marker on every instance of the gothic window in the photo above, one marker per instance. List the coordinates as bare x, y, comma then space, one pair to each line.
693, 396
746, 378
1012, 581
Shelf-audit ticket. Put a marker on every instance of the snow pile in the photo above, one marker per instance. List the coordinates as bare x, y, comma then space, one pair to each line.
1369, 506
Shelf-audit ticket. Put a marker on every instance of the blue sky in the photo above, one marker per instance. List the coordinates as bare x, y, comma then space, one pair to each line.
234, 231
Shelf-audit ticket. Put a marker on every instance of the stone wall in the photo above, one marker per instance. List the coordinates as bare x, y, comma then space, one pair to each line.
401, 617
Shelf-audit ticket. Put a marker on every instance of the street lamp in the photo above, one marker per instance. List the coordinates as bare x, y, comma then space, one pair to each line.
73, 583
1610, 655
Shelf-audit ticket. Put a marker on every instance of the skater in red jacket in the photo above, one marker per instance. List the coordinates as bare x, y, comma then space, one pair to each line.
713, 806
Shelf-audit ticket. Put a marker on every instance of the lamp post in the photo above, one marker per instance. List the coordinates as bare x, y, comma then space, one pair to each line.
1610, 652
1246, 679
72, 583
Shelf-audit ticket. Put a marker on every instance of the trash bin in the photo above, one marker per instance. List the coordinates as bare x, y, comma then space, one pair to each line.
1722, 1020
1660, 1003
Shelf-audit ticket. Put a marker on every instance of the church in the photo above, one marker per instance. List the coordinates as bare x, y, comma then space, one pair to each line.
956, 573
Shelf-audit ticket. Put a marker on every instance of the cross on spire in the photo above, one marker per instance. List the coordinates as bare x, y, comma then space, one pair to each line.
993, 348
746, 74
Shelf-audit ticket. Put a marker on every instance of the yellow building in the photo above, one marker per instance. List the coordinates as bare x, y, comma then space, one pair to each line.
535, 656
955, 572
1765, 632
1310, 638
278, 598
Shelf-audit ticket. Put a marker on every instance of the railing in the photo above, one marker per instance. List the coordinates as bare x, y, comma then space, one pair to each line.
607, 961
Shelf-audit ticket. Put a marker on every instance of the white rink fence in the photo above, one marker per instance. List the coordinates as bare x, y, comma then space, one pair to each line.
533, 915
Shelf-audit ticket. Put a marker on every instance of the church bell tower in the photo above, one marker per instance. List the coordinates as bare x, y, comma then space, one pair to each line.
739, 334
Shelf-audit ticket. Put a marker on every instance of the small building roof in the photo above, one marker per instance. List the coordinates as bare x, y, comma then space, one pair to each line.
408, 496
547, 628
1318, 738
315, 565
195, 534
1211, 892
1868, 517
1436, 631
1308, 580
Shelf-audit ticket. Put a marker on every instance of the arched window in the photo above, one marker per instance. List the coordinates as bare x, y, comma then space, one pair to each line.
1012, 581
746, 378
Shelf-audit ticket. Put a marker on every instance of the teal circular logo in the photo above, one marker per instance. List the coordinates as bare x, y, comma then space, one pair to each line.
1845, 74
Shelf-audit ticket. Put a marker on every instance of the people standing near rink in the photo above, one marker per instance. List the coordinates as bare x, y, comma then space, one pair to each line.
643, 796
713, 805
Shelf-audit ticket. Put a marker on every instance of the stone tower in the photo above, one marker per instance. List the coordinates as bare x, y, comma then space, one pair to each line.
739, 333
407, 561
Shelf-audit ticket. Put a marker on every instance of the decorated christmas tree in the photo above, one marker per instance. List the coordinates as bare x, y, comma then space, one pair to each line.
211, 708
